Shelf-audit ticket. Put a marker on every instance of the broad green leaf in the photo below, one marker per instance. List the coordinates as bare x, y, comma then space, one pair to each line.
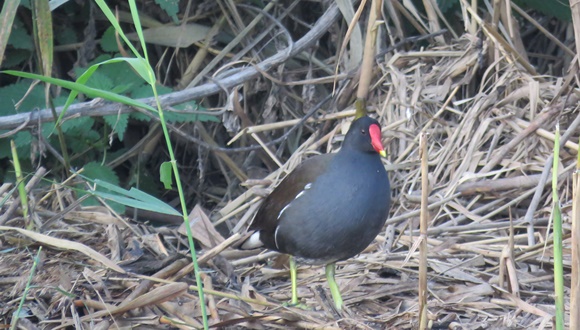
97, 79
19, 37
82, 80
120, 77
13, 94
445, 5
142, 67
64, 35
166, 175
15, 57
171, 7
118, 123
81, 141
171, 116
134, 198
82, 123
108, 41
24, 141
558, 9
94, 170
57, 3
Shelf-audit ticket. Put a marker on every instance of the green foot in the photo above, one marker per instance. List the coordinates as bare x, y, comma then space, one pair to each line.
330, 268
293, 279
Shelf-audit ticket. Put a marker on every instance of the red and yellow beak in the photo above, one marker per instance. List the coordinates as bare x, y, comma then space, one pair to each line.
375, 134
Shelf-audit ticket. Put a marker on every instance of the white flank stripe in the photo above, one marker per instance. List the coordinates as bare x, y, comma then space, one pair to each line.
276, 237
300, 194
282, 211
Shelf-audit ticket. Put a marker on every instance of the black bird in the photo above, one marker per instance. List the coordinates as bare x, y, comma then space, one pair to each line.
330, 208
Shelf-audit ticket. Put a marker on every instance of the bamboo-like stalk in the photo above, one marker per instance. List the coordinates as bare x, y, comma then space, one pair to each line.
575, 285
368, 59
21, 185
14, 322
558, 263
423, 233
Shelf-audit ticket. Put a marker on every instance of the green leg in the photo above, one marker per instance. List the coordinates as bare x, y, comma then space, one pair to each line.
333, 286
294, 300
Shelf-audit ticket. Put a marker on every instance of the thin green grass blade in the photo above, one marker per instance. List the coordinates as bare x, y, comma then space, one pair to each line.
21, 186
89, 91
113, 20
16, 316
558, 259
138, 27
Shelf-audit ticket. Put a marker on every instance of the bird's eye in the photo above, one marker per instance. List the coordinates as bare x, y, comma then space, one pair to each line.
363, 132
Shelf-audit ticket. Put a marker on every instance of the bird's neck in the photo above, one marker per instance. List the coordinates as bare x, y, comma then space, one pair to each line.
356, 156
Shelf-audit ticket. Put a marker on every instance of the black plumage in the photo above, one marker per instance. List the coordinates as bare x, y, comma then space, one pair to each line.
332, 206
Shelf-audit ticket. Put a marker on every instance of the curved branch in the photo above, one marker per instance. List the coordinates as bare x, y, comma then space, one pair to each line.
96, 108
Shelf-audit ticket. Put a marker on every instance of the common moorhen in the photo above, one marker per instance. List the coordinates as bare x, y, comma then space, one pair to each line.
329, 208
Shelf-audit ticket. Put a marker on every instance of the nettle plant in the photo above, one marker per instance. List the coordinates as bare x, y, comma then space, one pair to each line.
91, 142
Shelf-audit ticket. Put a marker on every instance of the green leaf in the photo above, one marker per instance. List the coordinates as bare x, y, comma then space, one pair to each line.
138, 28
116, 77
99, 59
94, 170
187, 109
80, 88
4, 147
12, 94
97, 80
142, 92
558, 9
146, 181
82, 123
109, 41
25, 4
113, 20
172, 116
143, 68
134, 197
80, 140
82, 80
15, 57
23, 141
186, 116
118, 123
19, 37
65, 35
171, 7
446, 5
166, 174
